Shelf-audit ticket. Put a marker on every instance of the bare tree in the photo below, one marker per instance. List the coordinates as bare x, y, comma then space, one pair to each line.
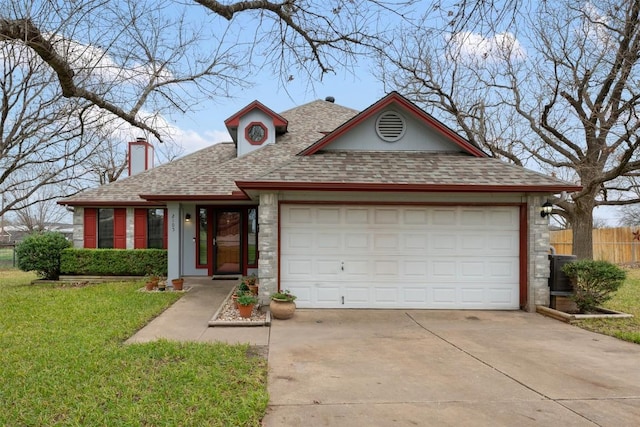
559, 93
38, 216
72, 69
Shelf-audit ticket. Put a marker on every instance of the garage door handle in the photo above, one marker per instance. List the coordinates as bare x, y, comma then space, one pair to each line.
342, 266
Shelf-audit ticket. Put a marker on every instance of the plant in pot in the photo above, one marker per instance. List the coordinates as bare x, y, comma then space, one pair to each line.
282, 305
252, 283
151, 282
177, 284
246, 302
242, 289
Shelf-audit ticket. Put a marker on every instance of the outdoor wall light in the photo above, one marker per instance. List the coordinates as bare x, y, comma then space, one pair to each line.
187, 217
546, 209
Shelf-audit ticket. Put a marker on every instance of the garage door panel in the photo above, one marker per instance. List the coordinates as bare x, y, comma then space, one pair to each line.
411, 257
445, 216
356, 241
327, 240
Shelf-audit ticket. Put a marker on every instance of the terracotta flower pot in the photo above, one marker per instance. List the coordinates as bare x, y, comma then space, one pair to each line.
177, 284
150, 285
245, 310
253, 289
282, 309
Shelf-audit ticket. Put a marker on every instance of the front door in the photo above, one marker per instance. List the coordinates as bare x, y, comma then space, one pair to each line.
227, 242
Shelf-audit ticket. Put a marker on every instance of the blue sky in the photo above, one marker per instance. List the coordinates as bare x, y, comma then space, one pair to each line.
358, 91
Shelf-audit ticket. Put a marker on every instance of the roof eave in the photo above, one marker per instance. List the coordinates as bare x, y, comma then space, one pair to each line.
384, 187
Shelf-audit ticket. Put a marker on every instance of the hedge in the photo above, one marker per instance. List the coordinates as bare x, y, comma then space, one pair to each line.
113, 262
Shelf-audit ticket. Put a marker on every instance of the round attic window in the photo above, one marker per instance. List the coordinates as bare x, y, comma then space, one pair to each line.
390, 126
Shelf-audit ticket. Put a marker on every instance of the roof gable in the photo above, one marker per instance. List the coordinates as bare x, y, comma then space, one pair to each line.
232, 123
420, 132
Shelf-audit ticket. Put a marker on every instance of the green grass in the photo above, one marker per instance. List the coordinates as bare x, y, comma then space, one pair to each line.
627, 300
63, 363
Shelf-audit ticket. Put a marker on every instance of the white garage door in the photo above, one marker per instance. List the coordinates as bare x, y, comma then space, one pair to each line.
400, 257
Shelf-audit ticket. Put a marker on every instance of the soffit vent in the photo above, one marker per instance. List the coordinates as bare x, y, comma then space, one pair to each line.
390, 126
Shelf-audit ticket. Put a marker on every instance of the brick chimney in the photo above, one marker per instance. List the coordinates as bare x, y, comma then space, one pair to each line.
140, 156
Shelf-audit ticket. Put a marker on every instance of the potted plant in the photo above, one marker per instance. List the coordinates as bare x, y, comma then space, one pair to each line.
238, 292
151, 281
245, 304
282, 305
252, 283
177, 284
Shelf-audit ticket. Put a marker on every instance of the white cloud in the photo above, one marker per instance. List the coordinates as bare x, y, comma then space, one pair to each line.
477, 48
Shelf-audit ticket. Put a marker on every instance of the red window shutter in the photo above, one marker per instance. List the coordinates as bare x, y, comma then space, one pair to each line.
90, 227
165, 233
120, 228
140, 229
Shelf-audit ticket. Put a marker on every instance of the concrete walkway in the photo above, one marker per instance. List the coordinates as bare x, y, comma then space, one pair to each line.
423, 367
187, 319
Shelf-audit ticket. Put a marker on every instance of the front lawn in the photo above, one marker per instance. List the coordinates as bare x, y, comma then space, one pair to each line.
627, 300
62, 362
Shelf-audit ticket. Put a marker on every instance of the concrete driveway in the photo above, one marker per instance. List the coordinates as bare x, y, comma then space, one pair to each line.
441, 368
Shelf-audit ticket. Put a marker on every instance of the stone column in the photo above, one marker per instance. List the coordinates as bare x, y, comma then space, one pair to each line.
78, 227
130, 228
538, 248
268, 245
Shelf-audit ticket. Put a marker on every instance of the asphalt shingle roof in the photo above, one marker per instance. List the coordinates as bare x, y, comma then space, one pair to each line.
212, 172
372, 167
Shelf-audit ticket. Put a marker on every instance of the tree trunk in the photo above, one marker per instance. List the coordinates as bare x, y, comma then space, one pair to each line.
582, 226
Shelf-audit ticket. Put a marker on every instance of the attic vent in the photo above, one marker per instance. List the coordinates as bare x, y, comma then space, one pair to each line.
390, 126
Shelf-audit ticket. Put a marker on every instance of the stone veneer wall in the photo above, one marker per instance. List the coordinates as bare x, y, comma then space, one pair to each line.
78, 227
268, 245
539, 244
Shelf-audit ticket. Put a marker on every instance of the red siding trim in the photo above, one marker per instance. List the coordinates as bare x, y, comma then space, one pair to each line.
108, 204
235, 196
90, 228
120, 228
140, 229
524, 256
373, 187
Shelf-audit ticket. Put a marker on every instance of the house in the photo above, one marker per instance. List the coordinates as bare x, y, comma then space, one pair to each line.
383, 208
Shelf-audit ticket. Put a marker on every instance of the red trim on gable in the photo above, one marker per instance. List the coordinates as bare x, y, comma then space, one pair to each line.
382, 187
278, 120
120, 228
406, 105
140, 228
90, 228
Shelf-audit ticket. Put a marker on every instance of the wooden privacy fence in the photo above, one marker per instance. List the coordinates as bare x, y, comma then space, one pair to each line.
616, 245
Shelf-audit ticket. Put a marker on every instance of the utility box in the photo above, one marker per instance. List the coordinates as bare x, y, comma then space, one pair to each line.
559, 283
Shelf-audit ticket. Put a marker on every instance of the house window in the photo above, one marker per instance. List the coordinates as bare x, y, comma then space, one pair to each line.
155, 228
252, 237
203, 224
105, 228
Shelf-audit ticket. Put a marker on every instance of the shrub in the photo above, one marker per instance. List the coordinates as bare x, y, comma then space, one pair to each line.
114, 262
594, 282
40, 252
